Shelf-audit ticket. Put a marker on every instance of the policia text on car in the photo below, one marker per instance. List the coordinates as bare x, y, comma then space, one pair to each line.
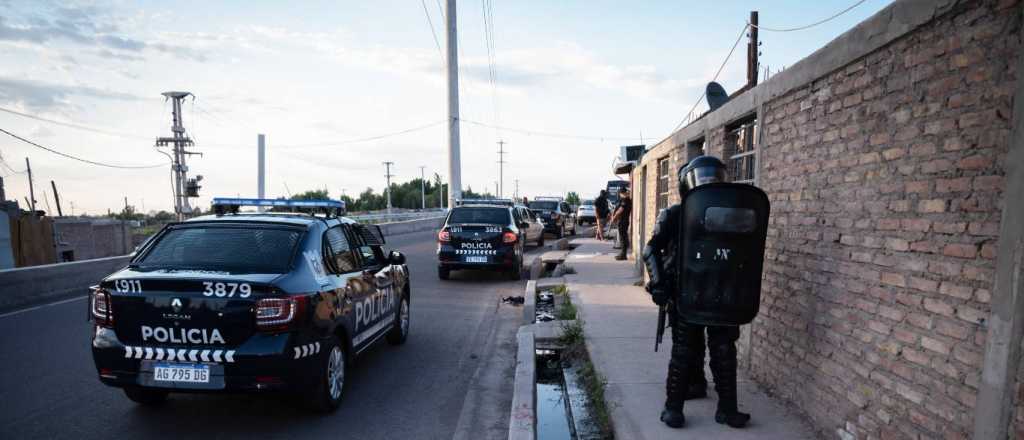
705, 260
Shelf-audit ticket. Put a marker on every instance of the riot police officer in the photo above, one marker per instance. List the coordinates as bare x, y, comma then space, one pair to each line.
670, 256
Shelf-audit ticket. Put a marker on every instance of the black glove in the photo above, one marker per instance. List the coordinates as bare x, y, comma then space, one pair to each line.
658, 293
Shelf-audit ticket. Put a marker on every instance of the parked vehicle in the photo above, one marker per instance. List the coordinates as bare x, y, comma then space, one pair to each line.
614, 186
558, 218
586, 213
482, 236
249, 302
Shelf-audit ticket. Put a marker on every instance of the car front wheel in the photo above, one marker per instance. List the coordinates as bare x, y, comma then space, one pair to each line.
400, 331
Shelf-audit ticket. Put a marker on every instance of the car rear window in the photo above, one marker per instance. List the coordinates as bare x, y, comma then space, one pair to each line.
547, 206
493, 216
230, 249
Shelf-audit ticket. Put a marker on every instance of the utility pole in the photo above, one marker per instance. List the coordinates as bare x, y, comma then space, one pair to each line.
388, 175
423, 188
517, 189
452, 52
261, 161
31, 189
179, 141
56, 198
501, 168
753, 50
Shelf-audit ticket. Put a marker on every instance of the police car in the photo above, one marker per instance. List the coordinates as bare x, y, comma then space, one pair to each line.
486, 234
249, 302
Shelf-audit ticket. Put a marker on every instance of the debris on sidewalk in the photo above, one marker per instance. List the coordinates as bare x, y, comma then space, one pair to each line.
514, 300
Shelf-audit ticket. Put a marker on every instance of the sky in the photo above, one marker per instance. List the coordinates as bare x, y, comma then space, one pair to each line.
316, 77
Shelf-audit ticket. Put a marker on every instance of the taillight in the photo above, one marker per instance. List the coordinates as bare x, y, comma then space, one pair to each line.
279, 313
509, 237
100, 304
444, 236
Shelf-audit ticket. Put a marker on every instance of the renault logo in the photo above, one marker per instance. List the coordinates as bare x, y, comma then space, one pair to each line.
176, 305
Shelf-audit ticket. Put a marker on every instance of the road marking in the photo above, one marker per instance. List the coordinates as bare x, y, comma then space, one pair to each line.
57, 303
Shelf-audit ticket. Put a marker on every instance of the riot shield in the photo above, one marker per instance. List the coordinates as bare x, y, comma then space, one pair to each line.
721, 253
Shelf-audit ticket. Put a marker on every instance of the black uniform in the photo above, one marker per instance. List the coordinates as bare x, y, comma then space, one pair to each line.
626, 205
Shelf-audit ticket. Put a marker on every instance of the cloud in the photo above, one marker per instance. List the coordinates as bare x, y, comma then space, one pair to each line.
43, 97
40, 131
89, 26
106, 53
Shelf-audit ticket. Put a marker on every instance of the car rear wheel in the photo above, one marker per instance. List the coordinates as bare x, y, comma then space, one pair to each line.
443, 273
326, 395
400, 331
560, 232
146, 396
515, 273
540, 240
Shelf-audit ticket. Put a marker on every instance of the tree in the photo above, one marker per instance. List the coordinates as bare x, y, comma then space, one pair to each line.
572, 198
313, 194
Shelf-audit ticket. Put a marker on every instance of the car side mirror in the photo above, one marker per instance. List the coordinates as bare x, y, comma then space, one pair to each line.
396, 258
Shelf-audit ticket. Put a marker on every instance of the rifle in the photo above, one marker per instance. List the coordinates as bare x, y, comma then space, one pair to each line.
660, 332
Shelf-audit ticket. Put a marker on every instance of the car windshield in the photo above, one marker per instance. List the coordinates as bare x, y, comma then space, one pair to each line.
546, 206
492, 216
219, 248
588, 203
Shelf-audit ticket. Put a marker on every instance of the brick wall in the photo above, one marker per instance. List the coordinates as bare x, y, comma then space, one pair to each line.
886, 185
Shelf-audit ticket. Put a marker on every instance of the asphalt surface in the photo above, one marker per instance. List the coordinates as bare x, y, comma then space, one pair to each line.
452, 378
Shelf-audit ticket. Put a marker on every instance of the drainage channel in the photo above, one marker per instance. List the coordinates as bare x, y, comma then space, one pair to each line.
563, 408
554, 417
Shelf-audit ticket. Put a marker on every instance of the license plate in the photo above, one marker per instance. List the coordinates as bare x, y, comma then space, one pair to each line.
187, 373
472, 259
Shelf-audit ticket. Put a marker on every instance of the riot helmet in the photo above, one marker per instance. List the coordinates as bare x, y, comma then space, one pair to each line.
700, 171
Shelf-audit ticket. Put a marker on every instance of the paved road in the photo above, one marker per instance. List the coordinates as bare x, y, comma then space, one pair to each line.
453, 376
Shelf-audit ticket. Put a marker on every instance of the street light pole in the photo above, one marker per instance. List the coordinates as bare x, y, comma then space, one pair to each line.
452, 52
387, 175
423, 188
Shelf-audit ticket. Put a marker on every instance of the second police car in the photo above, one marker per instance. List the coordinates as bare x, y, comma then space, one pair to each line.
249, 302
487, 234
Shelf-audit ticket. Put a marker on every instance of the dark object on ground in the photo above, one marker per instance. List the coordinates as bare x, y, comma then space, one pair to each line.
514, 300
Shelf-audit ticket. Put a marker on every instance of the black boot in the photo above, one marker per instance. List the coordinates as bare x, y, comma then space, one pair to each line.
734, 419
722, 345
673, 416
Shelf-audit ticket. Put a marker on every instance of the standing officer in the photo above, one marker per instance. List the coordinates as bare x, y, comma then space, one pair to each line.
714, 240
621, 219
601, 213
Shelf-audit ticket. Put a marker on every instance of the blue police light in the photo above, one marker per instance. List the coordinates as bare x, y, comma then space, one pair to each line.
222, 204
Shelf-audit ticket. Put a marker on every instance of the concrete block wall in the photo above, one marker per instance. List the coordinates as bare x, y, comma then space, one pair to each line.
883, 154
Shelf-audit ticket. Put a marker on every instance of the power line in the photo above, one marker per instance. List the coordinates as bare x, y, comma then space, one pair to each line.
800, 28
432, 30
550, 134
72, 125
367, 138
91, 162
719, 72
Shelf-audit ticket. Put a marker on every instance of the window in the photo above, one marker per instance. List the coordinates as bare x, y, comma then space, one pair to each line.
224, 248
340, 251
695, 148
544, 206
740, 148
492, 216
664, 184
372, 257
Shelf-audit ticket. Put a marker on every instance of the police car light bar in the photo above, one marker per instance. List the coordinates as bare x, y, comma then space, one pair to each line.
548, 198
221, 204
504, 202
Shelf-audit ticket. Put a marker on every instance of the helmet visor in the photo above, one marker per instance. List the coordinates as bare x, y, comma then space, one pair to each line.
702, 176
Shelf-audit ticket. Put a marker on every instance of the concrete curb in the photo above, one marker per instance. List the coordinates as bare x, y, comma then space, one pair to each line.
530, 302
522, 424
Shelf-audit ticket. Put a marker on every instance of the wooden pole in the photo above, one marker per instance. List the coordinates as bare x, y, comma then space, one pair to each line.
56, 199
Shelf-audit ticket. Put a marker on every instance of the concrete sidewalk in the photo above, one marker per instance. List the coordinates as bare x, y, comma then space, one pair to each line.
620, 320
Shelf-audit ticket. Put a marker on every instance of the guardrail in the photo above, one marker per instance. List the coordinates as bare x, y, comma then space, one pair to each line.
397, 216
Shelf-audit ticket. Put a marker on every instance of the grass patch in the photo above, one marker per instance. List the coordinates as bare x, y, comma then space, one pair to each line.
560, 289
593, 382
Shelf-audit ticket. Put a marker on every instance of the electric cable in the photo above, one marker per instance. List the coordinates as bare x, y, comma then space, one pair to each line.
432, 30
808, 26
719, 72
91, 162
550, 134
75, 126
